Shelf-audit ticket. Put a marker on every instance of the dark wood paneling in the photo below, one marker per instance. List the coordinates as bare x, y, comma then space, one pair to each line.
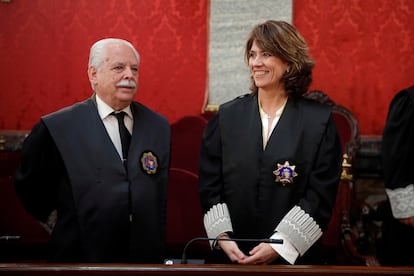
229, 270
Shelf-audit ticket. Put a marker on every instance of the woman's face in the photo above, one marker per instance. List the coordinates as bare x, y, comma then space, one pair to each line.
265, 68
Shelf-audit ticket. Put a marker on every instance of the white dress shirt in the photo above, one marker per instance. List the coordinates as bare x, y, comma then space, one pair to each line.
268, 128
111, 123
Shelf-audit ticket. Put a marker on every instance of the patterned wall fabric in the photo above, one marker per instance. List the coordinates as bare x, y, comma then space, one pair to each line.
363, 51
44, 47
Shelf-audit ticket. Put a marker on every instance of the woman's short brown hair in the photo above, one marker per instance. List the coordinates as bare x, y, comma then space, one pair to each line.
284, 41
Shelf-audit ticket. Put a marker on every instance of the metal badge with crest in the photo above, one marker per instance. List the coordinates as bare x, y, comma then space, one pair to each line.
285, 173
149, 162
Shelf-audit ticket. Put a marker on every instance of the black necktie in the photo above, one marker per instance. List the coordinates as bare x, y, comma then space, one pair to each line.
124, 133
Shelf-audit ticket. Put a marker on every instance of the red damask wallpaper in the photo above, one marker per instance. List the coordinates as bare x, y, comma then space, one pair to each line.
363, 51
44, 47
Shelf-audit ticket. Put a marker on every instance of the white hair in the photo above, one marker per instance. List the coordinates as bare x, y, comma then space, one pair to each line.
97, 52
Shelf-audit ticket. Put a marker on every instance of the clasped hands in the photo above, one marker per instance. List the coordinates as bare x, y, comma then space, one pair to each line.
261, 254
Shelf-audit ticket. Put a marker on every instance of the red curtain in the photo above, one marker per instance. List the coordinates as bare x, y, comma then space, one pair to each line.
363, 51
44, 48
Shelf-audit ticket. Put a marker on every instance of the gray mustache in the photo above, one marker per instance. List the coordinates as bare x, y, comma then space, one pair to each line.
126, 83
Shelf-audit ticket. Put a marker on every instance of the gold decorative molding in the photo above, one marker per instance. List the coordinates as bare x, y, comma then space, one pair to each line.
12, 140
211, 108
346, 168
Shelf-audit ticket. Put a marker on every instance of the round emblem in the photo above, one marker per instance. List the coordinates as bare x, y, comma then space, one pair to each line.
149, 162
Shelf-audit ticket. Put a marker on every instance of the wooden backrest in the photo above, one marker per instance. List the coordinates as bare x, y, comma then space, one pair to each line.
184, 215
21, 236
336, 238
345, 121
186, 136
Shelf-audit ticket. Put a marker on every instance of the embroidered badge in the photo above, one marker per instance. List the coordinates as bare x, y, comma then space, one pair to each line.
285, 173
149, 162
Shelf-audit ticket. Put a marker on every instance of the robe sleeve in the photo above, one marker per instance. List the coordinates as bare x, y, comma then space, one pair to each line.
38, 175
210, 185
304, 224
216, 215
320, 195
398, 154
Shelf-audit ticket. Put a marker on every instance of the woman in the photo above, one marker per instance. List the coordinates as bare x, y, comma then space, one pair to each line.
270, 161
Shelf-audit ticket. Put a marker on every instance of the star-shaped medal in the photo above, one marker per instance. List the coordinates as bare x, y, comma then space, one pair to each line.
285, 173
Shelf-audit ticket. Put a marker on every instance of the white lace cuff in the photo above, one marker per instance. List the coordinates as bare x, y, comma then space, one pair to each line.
50, 223
402, 201
300, 228
286, 250
217, 221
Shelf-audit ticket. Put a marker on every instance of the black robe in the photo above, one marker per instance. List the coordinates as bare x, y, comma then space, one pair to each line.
236, 170
397, 247
70, 164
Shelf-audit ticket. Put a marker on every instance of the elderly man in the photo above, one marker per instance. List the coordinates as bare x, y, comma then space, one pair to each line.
102, 164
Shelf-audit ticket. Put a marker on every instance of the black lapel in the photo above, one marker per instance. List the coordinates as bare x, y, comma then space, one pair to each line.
282, 140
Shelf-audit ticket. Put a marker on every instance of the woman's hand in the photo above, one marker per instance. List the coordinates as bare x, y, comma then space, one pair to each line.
262, 254
231, 249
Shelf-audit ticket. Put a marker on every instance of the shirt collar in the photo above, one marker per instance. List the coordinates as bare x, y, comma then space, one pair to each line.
263, 114
105, 110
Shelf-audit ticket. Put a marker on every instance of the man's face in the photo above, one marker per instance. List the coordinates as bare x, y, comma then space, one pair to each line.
116, 80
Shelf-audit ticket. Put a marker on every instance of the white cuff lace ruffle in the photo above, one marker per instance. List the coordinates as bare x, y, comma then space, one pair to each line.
217, 221
402, 201
300, 228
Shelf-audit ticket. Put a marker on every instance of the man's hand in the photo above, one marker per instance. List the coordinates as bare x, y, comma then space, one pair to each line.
261, 254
